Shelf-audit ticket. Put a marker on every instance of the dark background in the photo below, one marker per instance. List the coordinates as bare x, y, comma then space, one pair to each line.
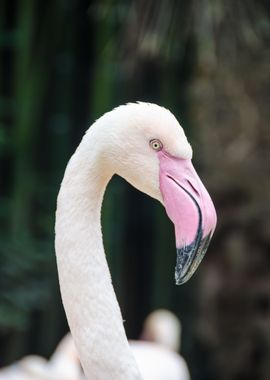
63, 63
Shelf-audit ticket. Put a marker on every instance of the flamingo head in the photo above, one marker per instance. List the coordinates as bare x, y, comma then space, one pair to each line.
148, 148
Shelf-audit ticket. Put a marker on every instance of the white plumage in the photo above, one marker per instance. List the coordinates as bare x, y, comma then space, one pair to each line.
119, 143
158, 363
63, 365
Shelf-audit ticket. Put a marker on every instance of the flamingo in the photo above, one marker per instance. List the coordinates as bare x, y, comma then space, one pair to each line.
163, 327
63, 365
162, 332
144, 144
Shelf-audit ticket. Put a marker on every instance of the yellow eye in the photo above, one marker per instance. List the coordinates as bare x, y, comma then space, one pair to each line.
156, 144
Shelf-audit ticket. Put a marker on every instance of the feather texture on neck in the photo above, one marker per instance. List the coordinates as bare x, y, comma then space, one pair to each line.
92, 310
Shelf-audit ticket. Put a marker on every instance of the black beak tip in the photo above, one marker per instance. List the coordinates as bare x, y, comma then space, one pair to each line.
180, 281
189, 258
182, 276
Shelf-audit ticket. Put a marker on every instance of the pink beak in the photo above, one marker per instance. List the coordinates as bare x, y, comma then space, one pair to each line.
190, 208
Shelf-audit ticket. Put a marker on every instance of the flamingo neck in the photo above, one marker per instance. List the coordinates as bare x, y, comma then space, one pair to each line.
88, 296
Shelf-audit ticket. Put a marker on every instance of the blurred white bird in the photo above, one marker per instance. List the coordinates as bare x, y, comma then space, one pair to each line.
158, 363
63, 365
162, 326
157, 356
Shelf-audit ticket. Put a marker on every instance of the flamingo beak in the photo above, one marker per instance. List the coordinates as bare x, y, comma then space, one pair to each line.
190, 208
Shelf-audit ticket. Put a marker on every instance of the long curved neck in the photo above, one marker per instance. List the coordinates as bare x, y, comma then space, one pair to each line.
90, 303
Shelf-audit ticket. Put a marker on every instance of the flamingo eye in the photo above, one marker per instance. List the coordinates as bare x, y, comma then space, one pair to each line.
156, 144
